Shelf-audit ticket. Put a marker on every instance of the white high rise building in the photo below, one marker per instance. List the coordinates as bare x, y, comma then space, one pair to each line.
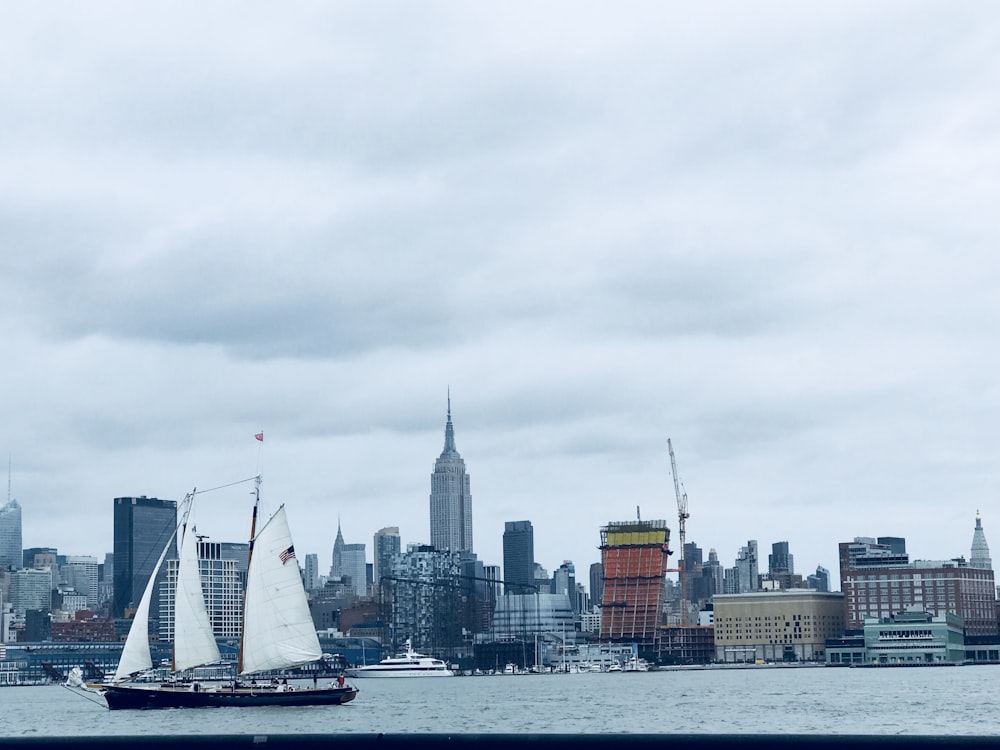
221, 585
31, 588
451, 497
80, 572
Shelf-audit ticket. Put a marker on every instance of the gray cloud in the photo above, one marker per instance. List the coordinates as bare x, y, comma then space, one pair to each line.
766, 232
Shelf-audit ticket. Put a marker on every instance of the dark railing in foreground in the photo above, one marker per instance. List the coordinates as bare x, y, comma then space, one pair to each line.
666, 741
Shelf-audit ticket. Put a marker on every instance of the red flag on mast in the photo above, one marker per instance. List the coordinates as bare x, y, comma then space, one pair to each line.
260, 436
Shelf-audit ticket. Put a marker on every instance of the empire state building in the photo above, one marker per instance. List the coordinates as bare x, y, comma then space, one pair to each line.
451, 498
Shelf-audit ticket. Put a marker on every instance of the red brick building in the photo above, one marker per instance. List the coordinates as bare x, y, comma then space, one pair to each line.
84, 628
880, 584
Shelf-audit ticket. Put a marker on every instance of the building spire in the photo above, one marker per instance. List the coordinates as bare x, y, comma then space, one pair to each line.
451, 497
449, 430
337, 561
980, 549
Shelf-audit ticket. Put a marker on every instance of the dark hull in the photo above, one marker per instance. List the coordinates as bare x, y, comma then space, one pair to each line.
127, 697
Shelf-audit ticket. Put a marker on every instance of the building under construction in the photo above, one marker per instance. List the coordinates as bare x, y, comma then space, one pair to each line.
634, 557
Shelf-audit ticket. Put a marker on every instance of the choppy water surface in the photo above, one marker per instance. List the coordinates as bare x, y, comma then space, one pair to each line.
914, 701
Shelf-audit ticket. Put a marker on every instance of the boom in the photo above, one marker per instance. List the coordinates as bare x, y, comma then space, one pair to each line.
682, 515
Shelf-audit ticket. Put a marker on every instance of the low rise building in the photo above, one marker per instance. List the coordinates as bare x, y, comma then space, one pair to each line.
686, 644
525, 615
848, 651
590, 622
84, 628
783, 625
911, 638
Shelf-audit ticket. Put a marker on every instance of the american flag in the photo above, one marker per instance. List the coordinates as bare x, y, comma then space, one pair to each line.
287, 555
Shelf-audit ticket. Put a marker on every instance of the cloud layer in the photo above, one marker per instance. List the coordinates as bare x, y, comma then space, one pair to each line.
766, 232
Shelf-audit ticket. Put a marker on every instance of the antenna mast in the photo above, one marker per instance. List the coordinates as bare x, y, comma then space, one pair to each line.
682, 515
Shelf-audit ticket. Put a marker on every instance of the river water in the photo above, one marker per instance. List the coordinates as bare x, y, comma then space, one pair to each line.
937, 701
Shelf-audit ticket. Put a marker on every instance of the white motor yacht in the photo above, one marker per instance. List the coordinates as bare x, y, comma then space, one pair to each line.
407, 664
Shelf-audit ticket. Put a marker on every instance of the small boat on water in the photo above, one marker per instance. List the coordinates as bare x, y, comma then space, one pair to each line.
407, 664
635, 664
277, 634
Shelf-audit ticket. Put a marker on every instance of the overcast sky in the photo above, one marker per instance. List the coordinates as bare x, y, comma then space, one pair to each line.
766, 231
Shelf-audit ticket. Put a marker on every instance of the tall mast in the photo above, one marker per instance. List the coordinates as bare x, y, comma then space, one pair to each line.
253, 531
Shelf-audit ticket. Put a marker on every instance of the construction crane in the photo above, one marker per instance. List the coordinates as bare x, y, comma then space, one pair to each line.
682, 515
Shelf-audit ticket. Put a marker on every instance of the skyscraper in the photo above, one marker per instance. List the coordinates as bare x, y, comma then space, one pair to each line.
747, 575
634, 559
711, 581
221, 585
40, 557
424, 609
337, 562
596, 583
451, 497
518, 557
820, 580
81, 572
142, 526
31, 589
980, 549
386, 544
312, 572
564, 582
780, 561
10, 534
353, 565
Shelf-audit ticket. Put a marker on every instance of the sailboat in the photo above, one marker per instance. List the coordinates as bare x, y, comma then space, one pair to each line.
277, 633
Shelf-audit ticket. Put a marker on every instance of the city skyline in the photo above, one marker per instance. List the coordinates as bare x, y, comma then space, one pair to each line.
764, 233
746, 565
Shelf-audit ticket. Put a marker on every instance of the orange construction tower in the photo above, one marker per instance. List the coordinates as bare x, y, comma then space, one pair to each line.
634, 558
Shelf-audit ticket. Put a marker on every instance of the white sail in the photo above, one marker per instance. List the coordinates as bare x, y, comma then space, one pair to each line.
135, 653
278, 631
194, 641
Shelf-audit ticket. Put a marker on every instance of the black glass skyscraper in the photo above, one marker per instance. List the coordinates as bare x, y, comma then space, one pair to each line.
518, 557
780, 561
143, 525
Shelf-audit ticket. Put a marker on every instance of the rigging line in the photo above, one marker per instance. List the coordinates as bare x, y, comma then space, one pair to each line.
92, 699
224, 486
